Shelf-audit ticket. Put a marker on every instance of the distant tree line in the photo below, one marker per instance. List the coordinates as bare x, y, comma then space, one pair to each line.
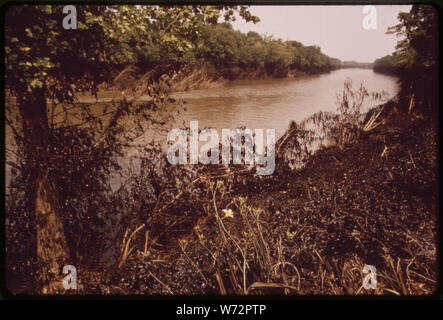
223, 47
355, 64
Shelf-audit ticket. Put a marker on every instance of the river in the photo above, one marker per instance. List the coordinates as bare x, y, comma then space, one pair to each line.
275, 103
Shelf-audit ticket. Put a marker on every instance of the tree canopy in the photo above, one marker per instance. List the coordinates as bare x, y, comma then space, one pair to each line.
415, 57
223, 46
40, 52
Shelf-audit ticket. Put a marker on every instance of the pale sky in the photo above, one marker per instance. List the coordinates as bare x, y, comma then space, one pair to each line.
337, 30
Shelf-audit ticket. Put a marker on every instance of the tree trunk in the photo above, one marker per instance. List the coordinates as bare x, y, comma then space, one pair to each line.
52, 247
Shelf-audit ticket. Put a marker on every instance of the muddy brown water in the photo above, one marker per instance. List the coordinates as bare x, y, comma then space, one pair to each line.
273, 104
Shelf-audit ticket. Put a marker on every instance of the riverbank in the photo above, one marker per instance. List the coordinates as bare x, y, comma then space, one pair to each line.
134, 80
310, 231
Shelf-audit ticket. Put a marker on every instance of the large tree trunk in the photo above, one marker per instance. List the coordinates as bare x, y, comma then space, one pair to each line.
52, 247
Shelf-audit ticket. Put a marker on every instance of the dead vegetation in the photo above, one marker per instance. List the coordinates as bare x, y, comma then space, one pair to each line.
308, 231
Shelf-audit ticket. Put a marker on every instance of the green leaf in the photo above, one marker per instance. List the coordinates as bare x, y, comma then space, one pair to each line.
36, 83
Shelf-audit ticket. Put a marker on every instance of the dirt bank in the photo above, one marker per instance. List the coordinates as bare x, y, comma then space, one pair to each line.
203, 76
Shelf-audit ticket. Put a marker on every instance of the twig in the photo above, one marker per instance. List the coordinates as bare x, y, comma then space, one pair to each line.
158, 280
220, 282
169, 25
333, 157
287, 135
146, 243
127, 251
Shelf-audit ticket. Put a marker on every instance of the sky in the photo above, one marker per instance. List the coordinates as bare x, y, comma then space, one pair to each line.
337, 30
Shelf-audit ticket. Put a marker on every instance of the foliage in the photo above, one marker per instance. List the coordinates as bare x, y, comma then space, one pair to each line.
46, 65
415, 58
39, 52
387, 64
223, 46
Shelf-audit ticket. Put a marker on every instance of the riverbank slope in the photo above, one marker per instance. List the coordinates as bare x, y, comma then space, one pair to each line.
134, 80
308, 231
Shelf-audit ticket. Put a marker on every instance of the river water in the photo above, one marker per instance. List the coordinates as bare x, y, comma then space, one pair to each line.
273, 104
